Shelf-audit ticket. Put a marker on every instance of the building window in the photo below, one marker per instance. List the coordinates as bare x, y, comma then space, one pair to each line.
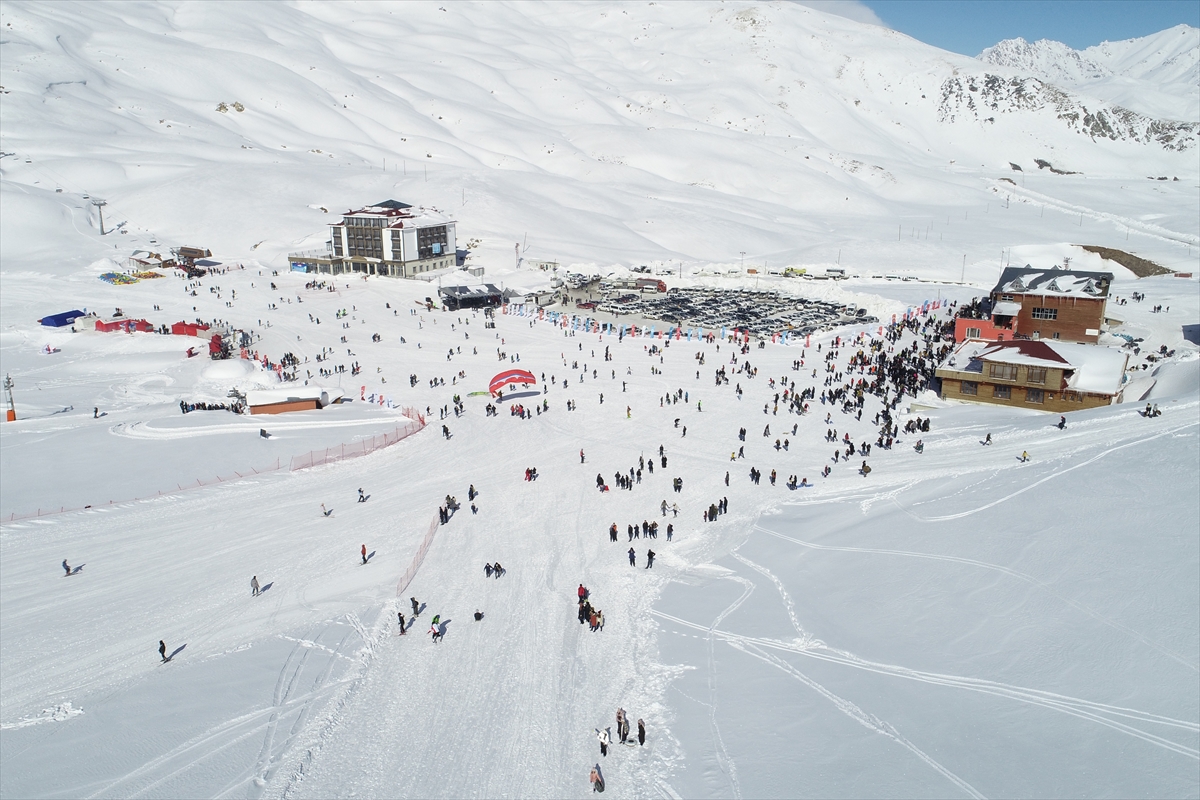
1073, 397
1037, 375
974, 333
1004, 372
1034, 396
969, 387
1007, 297
1044, 313
1002, 392
431, 241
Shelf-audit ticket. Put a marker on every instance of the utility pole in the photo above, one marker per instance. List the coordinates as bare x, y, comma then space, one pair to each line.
12, 408
742, 263
100, 204
963, 279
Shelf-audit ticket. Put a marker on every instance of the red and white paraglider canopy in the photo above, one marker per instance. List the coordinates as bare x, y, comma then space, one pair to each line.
511, 376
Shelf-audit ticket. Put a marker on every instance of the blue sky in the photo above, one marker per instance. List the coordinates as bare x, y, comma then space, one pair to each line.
968, 26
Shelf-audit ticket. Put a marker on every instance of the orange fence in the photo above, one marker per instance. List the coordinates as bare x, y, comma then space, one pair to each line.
426, 543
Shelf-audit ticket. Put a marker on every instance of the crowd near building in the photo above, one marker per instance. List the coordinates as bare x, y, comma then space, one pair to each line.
389, 238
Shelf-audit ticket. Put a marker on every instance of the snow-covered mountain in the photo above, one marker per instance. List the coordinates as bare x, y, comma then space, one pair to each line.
1157, 75
657, 131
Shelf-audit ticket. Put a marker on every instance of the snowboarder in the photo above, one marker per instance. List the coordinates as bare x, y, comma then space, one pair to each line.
326, 512
641, 733
1024, 456
254, 590
400, 619
988, 440
66, 567
362, 498
604, 738
364, 553
478, 615
162, 650
632, 557
96, 412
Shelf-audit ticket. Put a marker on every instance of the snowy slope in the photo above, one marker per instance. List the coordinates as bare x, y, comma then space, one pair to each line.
1158, 75
631, 134
958, 624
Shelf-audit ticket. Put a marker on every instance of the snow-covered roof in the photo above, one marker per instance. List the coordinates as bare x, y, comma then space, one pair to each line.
1088, 367
1097, 369
1026, 352
396, 214
1062, 282
266, 397
1006, 308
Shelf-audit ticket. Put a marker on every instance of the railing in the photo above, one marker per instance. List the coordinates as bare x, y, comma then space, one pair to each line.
418, 557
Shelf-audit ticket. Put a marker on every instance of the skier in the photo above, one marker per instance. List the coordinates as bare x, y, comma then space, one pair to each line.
641, 733
604, 738
1024, 456
162, 650
632, 558
66, 567
649, 559
364, 553
400, 619
254, 591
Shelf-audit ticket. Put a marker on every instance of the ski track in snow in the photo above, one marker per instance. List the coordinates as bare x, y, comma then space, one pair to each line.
1100, 713
1005, 570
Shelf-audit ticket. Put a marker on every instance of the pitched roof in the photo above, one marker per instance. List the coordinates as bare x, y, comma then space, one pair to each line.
1031, 352
1030, 280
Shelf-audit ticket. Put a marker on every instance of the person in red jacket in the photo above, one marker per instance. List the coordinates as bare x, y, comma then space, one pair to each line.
364, 553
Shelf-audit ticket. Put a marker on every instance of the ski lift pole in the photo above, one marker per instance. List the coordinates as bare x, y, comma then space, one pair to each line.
12, 408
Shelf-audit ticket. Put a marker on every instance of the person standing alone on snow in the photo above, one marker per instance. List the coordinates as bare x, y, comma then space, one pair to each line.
66, 567
632, 557
364, 553
162, 650
254, 590
649, 559
641, 733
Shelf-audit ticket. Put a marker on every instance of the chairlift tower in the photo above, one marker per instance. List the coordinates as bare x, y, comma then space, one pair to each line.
100, 204
12, 408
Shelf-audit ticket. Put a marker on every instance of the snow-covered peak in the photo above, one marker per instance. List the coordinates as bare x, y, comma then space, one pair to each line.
1158, 75
1046, 59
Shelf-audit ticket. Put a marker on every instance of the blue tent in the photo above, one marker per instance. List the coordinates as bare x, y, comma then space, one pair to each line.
61, 320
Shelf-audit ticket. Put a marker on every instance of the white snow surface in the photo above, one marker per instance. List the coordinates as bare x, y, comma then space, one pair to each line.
958, 623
